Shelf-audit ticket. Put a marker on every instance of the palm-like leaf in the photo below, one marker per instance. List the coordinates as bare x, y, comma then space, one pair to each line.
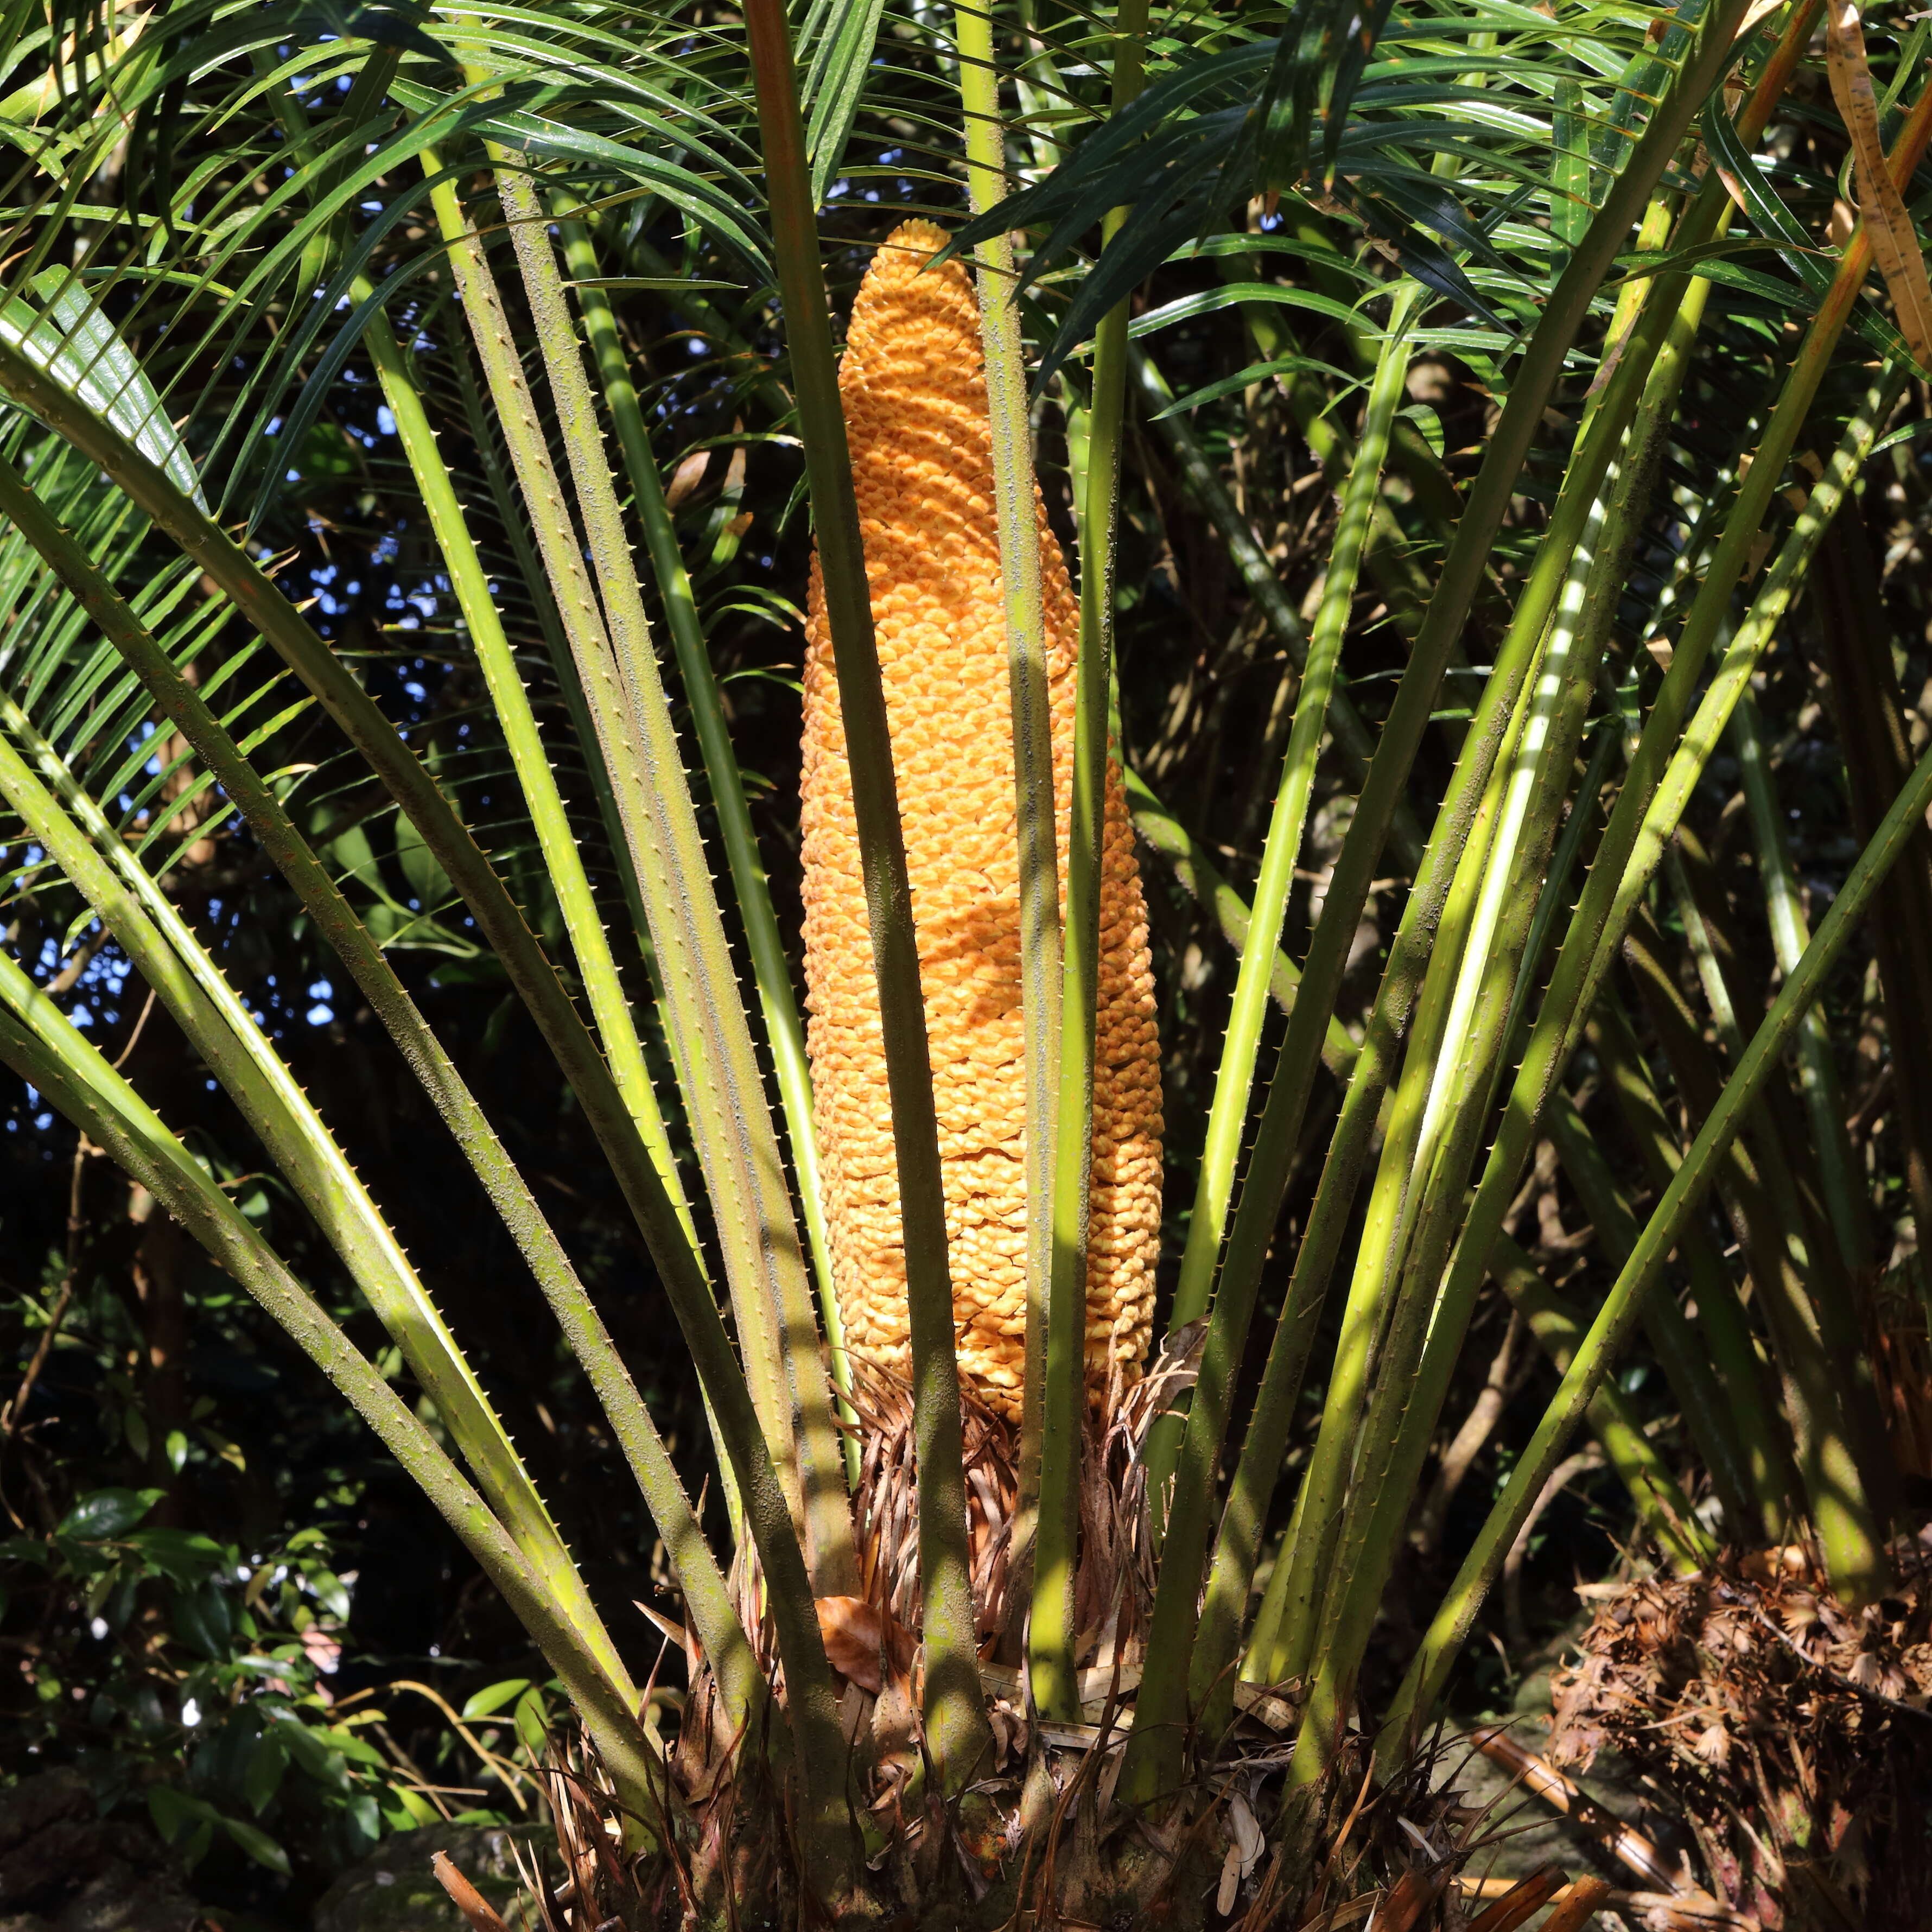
301, 199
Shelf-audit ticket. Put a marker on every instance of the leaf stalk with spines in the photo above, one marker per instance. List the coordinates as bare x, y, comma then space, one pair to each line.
1154, 1754
741, 1684
1802, 1287
1194, 866
1352, 737
710, 1033
1431, 1377
1790, 933
197, 996
1692, 1379
1052, 1633
41, 1045
1462, 574
958, 1734
619, 670
583, 922
1419, 937
996, 276
1423, 1683
1722, 1321
1663, 769
1658, 1498
778, 997
257, 599
1411, 1212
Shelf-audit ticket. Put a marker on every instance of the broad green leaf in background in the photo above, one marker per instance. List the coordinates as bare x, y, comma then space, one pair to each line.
108, 1514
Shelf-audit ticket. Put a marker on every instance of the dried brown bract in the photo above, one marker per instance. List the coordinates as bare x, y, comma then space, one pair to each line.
1792, 1731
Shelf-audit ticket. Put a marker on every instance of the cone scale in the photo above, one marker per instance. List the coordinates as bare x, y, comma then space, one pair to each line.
914, 384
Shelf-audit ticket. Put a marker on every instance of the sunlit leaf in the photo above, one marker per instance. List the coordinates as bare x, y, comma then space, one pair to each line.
65, 334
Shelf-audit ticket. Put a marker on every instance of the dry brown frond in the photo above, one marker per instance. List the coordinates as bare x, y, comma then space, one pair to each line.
1040, 1845
1793, 1730
1038, 1840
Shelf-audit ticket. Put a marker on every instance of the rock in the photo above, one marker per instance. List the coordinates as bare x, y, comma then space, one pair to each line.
65, 1868
393, 1890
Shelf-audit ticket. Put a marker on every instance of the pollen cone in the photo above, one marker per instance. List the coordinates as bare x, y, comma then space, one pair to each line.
914, 388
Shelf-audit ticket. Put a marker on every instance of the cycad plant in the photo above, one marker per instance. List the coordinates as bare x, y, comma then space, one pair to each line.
1102, 1600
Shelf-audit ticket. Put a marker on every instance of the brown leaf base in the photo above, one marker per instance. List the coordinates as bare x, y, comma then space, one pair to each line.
1791, 1732
1038, 1839
1042, 1846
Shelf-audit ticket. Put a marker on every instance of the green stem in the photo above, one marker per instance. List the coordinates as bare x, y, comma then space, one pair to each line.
1856, 632
741, 1683
1414, 1384
1655, 339
771, 971
1431, 925
1450, 1061
1557, 895
957, 1733
1403, 580
1790, 933
502, 928
44, 1049
1233, 1080
710, 1032
605, 695
1691, 1377
1464, 1063
1279, 1133
1154, 1752
1051, 1631
1258, 1662
1016, 505
1423, 1682
1194, 866
1460, 1035
508, 509
1653, 797
1352, 737
1467, 809
1659, 1499
503, 498
1721, 1315
610, 1006
1632, 845
168, 956
1795, 1277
